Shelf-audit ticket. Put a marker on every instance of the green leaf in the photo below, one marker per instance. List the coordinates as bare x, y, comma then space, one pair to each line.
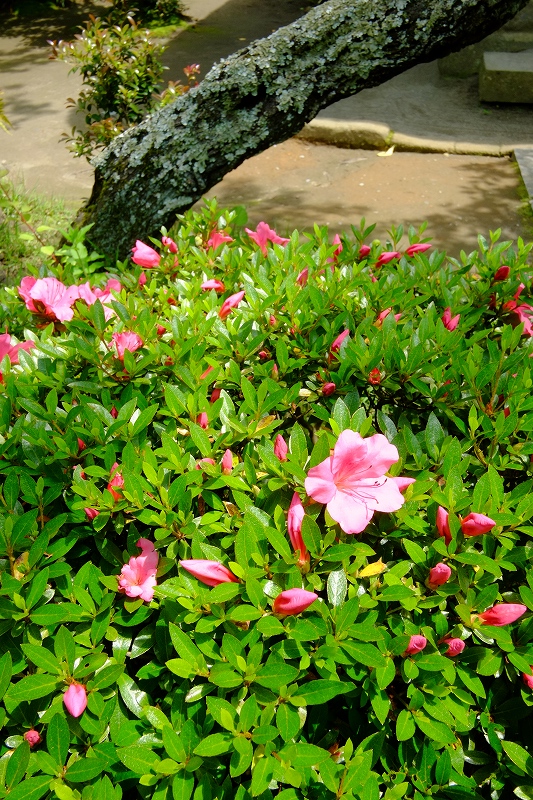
42, 658
182, 785
200, 439
138, 758
320, 691
311, 535
287, 722
6, 671
405, 726
31, 788
56, 613
519, 756
275, 675
242, 756
64, 646
85, 769
133, 697
214, 745
437, 731
262, 775
32, 687
366, 654
107, 676
173, 745
58, 739
304, 755
17, 765
337, 587
443, 768
103, 790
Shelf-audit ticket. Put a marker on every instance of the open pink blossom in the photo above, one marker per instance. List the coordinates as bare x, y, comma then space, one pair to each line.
449, 322
91, 295
280, 448
49, 298
455, 646
75, 699
229, 304
420, 247
443, 525
227, 462
217, 238
528, 678
11, 350
502, 614
438, 575
293, 601
212, 573
416, 645
116, 484
263, 234
502, 273
522, 314
144, 255
387, 257
32, 737
352, 482
170, 244
403, 483
137, 578
294, 527
476, 524
218, 286
126, 341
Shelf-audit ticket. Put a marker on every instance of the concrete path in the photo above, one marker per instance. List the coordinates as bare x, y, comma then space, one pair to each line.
296, 184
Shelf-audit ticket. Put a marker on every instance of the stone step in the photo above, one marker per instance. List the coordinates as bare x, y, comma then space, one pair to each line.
506, 77
524, 159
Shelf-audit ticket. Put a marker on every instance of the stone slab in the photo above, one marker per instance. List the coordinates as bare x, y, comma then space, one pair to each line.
524, 159
506, 77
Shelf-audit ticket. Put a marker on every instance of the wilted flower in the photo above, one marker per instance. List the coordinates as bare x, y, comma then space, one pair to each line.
49, 298
212, 573
280, 448
502, 614
229, 304
144, 255
438, 575
75, 699
263, 234
352, 482
126, 341
137, 578
476, 524
416, 644
293, 601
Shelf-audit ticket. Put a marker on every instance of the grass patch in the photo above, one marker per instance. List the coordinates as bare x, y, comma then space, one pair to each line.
28, 222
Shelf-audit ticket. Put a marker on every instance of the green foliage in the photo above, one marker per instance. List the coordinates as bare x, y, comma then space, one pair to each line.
205, 692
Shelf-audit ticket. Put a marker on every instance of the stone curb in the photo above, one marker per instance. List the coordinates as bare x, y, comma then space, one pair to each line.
375, 136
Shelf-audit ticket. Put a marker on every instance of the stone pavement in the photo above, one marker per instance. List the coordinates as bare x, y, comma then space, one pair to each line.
297, 183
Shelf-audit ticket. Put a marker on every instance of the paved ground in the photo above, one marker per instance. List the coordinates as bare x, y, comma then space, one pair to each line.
296, 183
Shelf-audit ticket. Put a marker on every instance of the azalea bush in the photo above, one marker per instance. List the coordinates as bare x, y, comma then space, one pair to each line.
265, 519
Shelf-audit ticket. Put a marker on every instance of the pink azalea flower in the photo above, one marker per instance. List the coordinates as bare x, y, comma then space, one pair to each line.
217, 238
199, 464
443, 525
272, 320
455, 646
336, 346
502, 274
144, 255
90, 296
476, 524
75, 699
215, 394
91, 513
381, 316
387, 257
449, 322
328, 388
229, 304
528, 679
7, 348
374, 377
280, 448
438, 575
126, 341
403, 483
81, 445
364, 251
227, 462
523, 314
49, 298
293, 601
202, 420
166, 241
416, 645
116, 484
263, 234
502, 614
303, 277
32, 737
142, 279
337, 251
263, 355
294, 528
206, 372
417, 248
218, 286
212, 573
352, 481
137, 578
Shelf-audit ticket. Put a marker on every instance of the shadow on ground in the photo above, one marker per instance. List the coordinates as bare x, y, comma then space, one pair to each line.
36, 28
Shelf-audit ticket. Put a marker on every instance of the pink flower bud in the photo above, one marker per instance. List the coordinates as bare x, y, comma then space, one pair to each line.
272, 320
215, 394
455, 646
303, 277
364, 251
374, 377
416, 644
91, 513
328, 388
161, 330
263, 355
438, 575
204, 461
218, 286
75, 699
229, 304
144, 255
476, 524
502, 614
274, 372
417, 248
449, 322
227, 462
502, 273
166, 241
443, 525
381, 316
32, 737
280, 448
528, 679
116, 484
210, 572
142, 279
294, 527
387, 257
336, 346
114, 412
202, 420
81, 445
206, 372
403, 483
293, 601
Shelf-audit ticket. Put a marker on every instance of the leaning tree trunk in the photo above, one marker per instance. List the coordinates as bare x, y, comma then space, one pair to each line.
264, 94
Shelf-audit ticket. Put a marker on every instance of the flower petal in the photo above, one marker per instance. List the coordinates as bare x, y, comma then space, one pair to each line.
319, 483
352, 515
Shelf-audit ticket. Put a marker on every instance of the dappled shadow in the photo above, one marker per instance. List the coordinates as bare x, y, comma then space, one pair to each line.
36, 29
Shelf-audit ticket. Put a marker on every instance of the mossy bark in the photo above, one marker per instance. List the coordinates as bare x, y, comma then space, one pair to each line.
264, 94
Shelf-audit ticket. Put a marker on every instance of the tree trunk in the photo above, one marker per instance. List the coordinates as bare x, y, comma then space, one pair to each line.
264, 94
